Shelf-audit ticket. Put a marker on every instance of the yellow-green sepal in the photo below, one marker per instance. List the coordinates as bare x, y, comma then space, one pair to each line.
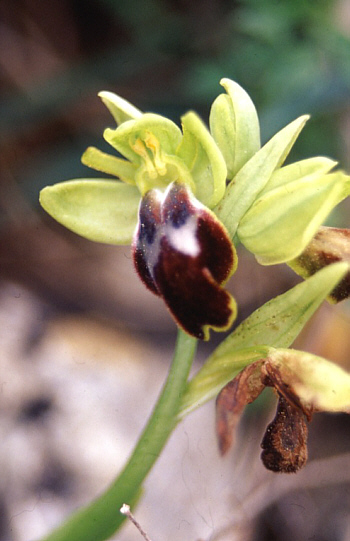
120, 109
204, 160
149, 129
234, 125
282, 222
99, 210
318, 383
252, 178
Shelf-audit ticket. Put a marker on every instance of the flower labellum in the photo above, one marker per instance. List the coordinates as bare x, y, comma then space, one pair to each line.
183, 254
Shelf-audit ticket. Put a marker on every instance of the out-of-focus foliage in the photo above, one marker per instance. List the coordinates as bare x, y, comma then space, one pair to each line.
169, 55
165, 56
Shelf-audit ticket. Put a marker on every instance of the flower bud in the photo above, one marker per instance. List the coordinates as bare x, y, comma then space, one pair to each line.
329, 245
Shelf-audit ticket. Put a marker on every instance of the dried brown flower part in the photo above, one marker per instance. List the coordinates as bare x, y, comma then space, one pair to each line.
304, 384
272, 377
330, 245
230, 403
285, 441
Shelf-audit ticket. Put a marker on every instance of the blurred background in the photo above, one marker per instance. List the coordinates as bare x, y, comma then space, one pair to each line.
83, 347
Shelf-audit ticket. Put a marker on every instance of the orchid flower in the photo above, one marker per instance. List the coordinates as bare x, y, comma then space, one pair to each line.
184, 198
169, 182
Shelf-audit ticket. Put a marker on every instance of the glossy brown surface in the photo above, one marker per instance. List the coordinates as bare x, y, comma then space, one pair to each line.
182, 253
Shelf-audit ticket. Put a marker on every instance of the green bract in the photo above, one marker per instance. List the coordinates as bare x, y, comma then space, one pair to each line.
275, 211
275, 325
252, 178
234, 125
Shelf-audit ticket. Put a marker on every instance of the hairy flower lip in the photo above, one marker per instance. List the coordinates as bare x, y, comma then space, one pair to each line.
183, 254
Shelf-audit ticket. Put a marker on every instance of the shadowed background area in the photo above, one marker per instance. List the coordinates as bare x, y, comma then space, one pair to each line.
84, 346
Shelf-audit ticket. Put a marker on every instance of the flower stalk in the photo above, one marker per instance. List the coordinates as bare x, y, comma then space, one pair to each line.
99, 520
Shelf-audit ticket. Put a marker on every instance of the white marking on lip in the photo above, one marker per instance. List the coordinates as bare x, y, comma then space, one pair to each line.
183, 238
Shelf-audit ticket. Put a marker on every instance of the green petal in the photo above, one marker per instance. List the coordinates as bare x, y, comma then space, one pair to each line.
204, 160
120, 109
168, 134
234, 126
317, 382
280, 225
254, 175
175, 171
346, 188
99, 210
100, 161
298, 170
276, 324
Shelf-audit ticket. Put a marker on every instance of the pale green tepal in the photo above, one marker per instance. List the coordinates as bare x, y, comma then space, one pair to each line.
156, 154
284, 219
274, 211
234, 124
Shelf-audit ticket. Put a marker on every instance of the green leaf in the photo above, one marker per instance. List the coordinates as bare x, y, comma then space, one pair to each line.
120, 109
99, 210
100, 161
204, 160
276, 324
254, 175
280, 224
316, 381
234, 126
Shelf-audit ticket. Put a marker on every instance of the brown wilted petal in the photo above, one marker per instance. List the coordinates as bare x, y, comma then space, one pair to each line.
285, 442
239, 392
272, 376
329, 245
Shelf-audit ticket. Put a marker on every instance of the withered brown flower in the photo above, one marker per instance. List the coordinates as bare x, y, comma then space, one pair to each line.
285, 441
329, 245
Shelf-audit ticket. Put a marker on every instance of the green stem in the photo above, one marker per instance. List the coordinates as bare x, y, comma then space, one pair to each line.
100, 519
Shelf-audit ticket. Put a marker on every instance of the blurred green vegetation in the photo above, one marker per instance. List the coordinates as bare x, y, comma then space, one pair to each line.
292, 56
